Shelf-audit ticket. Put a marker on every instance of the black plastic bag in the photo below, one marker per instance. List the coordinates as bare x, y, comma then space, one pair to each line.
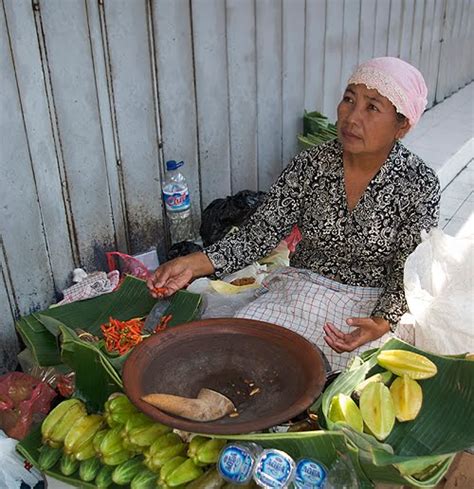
222, 214
183, 248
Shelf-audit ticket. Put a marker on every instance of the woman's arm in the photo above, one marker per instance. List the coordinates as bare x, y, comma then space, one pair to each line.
424, 216
272, 221
391, 304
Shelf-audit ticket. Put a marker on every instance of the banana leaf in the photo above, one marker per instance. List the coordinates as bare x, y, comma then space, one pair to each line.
316, 130
325, 446
313, 122
95, 377
131, 300
40, 330
443, 427
42, 345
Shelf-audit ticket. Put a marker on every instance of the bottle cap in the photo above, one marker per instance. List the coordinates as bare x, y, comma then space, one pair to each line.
173, 164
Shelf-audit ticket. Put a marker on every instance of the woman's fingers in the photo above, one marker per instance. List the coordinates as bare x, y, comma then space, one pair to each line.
332, 344
330, 328
344, 342
365, 330
334, 337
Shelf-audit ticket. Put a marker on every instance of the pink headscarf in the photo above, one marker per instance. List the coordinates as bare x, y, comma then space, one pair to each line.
397, 80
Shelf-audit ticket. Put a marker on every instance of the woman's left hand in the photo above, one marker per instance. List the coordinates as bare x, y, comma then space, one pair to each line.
365, 330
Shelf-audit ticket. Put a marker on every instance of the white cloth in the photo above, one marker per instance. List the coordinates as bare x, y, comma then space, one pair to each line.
304, 301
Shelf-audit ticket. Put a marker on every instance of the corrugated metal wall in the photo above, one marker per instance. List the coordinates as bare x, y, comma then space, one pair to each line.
97, 94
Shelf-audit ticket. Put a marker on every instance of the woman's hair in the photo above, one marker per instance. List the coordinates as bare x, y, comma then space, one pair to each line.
400, 117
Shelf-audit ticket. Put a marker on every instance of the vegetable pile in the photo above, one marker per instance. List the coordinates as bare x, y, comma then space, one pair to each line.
316, 130
125, 447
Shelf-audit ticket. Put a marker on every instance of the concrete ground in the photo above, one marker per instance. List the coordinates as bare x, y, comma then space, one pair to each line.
444, 138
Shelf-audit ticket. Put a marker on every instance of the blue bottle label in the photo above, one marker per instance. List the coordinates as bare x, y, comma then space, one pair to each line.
310, 474
274, 470
236, 464
177, 201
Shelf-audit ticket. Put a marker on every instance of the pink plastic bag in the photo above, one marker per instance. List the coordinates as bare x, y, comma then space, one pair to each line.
23, 400
293, 239
126, 264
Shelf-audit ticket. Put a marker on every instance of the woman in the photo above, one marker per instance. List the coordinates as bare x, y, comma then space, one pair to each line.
360, 202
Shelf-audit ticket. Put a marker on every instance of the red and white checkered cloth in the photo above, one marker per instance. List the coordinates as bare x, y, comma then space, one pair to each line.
304, 301
92, 285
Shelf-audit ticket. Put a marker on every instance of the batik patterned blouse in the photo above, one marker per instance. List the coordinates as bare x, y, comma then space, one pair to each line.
367, 246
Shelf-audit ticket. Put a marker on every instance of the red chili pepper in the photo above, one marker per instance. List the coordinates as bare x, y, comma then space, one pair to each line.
121, 336
160, 291
163, 324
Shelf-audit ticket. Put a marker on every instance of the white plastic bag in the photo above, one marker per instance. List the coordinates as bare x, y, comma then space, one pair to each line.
221, 299
438, 281
15, 472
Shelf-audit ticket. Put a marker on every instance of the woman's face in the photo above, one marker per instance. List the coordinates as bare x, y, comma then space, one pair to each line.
367, 122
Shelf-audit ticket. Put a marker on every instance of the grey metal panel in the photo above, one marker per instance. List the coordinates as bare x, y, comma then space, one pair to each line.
367, 30
100, 57
468, 45
128, 45
350, 41
292, 76
241, 54
22, 241
31, 86
426, 42
435, 52
176, 94
8, 339
314, 54
382, 19
444, 61
417, 31
269, 110
210, 63
332, 57
465, 48
406, 29
395, 28
456, 69
75, 101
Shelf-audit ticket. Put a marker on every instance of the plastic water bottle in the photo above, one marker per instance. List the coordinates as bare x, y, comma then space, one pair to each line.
177, 202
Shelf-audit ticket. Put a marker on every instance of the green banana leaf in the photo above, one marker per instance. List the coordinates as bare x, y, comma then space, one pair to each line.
95, 377
40, 330
39, 341
98, 373
313, 122
325, 446
131, 300
316, 130
443, 427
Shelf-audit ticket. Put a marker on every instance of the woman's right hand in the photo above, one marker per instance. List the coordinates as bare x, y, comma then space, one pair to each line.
176, 274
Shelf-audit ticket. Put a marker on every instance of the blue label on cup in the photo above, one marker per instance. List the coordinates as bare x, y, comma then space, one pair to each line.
274, 469
236, 464
310, 474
